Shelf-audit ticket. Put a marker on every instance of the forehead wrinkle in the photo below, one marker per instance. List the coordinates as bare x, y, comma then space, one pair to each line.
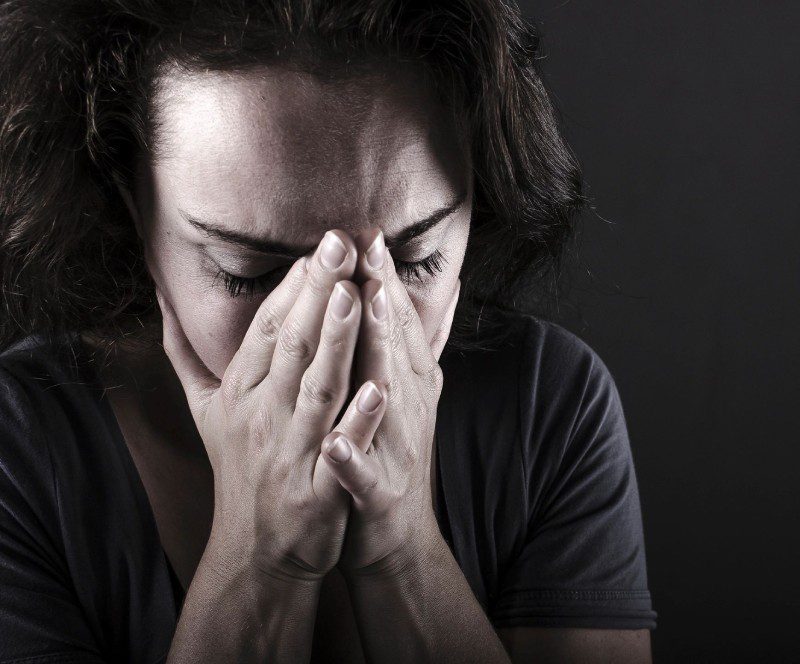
348, 167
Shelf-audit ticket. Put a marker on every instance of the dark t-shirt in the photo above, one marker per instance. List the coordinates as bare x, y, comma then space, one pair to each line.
536, 497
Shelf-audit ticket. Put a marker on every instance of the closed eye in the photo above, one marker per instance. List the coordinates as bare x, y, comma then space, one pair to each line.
407, 271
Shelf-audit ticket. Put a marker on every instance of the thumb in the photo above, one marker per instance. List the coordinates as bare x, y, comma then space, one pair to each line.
356, 471
197, 381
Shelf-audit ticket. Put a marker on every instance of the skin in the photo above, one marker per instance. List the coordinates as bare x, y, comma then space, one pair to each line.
284, 157
293, 164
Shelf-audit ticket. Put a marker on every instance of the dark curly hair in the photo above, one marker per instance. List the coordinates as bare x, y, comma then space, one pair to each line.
77, 80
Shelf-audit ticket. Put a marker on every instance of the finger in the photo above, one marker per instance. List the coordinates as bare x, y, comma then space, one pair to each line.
364, 414
381, 345
375, 262
333, 261
198, 382
443, 333
326, 383
358, 424
422, 358
251, 363
419, 348
358, 473
382, 355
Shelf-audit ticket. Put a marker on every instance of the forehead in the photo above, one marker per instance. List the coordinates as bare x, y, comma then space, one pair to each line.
277, 147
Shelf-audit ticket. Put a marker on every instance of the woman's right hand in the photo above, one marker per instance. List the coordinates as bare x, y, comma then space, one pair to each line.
278, 510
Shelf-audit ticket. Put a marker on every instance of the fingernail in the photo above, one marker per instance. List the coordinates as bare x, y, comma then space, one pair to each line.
339, 450
379, 305
333, 252
376, 252
370, 398
341, 302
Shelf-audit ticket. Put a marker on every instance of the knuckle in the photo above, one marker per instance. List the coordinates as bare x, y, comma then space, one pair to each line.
365, 489
434, 378
259, 427
316, 392
396, 336
231, 388
293, 343
267, 325
409, 456
392, 385
333, 337
405, 317
319, 284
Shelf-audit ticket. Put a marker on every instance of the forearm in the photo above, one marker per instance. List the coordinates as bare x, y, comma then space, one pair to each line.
420, 608
236, 614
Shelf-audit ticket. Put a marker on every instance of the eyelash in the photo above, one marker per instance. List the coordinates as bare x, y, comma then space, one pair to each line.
410, 271
407, 271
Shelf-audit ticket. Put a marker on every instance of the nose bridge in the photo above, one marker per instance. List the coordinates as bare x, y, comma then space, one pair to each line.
354, 194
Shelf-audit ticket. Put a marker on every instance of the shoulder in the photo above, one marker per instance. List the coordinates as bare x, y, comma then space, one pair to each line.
539, 401
544, 401
26, 371
38, 385
543, 361
569, 403
76, 540
52, 431
557, 356
29, 414
561, 370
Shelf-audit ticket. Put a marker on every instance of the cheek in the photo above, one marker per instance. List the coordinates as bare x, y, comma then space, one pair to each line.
216, 333
431, 300
215, 325
213, 321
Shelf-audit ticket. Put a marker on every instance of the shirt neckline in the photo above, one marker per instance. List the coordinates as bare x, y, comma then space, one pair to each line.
89, 375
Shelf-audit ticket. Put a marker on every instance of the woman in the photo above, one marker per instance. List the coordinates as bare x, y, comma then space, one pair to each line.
236, 238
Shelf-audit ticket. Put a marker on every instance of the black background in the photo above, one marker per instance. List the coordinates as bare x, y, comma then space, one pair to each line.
685, 117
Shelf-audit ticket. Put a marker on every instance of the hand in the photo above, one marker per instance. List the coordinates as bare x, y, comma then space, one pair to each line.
277, 508
392, 510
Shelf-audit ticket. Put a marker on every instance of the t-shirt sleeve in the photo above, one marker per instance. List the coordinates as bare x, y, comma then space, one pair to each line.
581, 560
40, 619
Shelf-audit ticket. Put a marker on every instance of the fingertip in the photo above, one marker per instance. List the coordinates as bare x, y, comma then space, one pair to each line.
338, 449
337, 252
375, 254
352, 289
371, 397
379, 303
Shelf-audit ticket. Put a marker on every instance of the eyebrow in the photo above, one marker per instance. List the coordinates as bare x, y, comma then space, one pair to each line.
294, 251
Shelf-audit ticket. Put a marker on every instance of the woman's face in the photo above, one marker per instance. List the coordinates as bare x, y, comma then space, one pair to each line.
269, 161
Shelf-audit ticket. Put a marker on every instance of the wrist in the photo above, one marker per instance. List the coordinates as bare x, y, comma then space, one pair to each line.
234, 609
237, 562
416, 548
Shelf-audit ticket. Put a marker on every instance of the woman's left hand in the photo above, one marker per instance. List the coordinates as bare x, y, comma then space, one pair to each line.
392, 516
